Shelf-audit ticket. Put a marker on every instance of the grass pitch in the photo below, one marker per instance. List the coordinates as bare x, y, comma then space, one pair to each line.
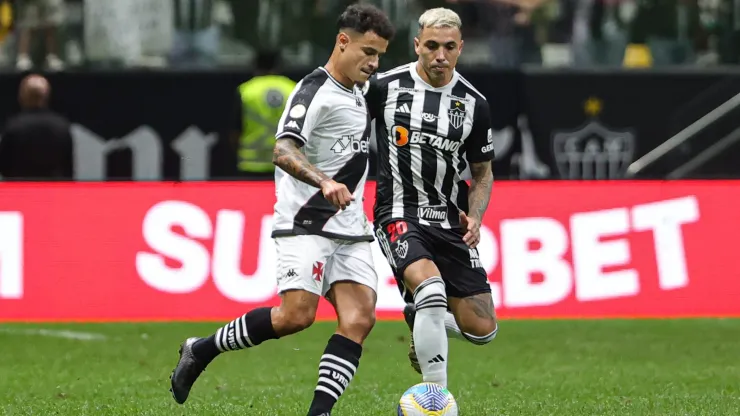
570, 368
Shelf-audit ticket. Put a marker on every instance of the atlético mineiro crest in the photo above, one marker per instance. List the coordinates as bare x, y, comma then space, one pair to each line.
318, 271
593, 152
402, 249
456, 113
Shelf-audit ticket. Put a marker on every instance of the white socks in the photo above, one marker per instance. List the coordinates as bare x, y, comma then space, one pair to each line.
430, 337
453, 331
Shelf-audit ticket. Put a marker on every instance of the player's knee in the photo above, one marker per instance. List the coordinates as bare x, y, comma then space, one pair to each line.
430, 295
357, 324
294, 318
299, 322
483, 333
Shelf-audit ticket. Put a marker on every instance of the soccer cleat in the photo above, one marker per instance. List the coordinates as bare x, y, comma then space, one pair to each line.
409, 313
187, 371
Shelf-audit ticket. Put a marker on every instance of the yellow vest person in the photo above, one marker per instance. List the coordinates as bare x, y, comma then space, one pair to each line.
6, 19
262, 100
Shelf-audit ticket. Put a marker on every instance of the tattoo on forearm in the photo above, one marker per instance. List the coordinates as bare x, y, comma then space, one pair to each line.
480, 188
289, 158
482, 305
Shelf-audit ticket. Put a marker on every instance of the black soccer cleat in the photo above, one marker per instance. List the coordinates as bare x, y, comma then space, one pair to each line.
409, 313
187, 371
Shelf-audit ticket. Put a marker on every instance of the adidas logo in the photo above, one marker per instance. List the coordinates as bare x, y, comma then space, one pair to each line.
437, 359
403, 109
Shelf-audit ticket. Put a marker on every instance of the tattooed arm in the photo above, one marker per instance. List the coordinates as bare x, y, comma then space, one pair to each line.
480, 189
480, 155
288, 157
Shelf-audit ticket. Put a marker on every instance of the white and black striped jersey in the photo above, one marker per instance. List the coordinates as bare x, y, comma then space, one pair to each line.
424, 137
333, 124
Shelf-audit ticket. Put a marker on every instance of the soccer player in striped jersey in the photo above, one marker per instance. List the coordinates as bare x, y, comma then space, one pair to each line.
431, 123
321, 233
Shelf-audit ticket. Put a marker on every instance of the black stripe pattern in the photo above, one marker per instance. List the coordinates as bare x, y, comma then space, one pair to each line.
333, 123
317, 211
460, 187
434, 300
430, 191
403, 119
335, 373
293, 124
313, 216
429, 121
485, 339
234, 336
337, 367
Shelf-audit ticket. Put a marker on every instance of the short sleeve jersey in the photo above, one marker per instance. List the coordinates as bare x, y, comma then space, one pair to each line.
425, 138
332, 123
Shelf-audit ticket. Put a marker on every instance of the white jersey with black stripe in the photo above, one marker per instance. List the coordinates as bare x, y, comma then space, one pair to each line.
333, 125
425, 138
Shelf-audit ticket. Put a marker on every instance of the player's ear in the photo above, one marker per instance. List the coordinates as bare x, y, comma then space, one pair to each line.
460, 48
343, 40
417, 46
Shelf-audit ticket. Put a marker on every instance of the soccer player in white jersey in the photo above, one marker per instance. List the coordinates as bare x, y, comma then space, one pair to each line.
430, 123
321, 233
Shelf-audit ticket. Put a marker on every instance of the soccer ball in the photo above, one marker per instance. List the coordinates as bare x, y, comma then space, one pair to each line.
427, 399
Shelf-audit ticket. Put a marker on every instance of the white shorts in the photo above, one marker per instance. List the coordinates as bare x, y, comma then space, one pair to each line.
313, 263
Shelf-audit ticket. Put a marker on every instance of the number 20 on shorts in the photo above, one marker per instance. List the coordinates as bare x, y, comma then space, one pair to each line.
395, 230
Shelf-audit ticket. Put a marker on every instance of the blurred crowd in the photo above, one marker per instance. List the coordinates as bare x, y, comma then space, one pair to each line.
63, 34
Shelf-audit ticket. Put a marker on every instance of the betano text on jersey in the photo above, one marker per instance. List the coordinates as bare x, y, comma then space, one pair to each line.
424, 137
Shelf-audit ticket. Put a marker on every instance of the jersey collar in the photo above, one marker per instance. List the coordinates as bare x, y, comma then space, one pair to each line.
337, 83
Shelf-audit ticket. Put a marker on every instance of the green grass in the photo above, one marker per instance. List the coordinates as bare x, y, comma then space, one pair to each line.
570, 368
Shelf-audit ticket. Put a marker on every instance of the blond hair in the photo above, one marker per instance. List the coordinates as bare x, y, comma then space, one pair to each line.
439, 17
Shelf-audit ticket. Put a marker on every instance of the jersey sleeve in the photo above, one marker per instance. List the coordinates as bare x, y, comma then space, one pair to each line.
302, 113
480, 143
372, 92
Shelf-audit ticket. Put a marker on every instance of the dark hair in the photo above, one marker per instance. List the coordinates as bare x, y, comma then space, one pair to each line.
267, 60
364, 18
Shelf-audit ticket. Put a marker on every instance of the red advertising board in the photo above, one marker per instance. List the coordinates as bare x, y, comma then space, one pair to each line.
202, 251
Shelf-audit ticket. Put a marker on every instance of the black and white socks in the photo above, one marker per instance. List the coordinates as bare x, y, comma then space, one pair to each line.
430, 337
337, 367
249, 330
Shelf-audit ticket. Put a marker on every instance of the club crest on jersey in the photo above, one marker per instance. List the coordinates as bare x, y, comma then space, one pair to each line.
457, 113
318, 271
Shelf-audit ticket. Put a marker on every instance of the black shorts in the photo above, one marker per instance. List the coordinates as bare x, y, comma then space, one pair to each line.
403, 242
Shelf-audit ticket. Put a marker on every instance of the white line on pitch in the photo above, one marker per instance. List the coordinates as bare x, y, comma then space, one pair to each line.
56, 333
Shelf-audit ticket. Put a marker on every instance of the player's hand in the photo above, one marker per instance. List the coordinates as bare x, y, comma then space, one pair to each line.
471, 226
336, 193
